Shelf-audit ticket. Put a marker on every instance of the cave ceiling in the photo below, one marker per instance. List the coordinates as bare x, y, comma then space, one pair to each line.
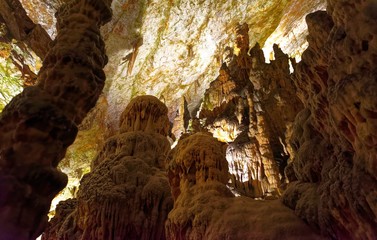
171, 49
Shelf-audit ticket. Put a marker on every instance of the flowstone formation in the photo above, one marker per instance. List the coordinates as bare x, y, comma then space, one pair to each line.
204, 207
127, 193
333, 174
39, 124
252, 106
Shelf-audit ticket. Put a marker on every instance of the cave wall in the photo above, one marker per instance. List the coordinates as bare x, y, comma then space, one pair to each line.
333, 173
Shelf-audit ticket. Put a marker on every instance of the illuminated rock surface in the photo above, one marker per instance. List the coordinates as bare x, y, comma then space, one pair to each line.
127, 194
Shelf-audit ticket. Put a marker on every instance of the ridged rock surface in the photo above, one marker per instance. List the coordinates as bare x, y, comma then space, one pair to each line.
204, 208
39, 124
127, 194
334, 170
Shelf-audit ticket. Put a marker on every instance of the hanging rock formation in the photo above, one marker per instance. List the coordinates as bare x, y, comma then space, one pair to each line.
127, 194
204, 208
334, 170
40, 123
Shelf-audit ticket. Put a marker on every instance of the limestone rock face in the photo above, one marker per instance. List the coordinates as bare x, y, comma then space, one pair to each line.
335, 136
40, 123
204, 208
127, 194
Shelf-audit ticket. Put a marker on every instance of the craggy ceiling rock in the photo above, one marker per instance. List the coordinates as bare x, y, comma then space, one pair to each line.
204, 208
171, 49
127, 194
334, 170
40, 123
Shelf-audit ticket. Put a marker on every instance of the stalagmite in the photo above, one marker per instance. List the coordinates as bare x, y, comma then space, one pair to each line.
204, 208
39, 124
127, 194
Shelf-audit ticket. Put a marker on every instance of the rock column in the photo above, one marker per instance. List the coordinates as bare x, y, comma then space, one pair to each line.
40, 123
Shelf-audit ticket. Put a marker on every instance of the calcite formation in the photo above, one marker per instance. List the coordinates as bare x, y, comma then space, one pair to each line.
334, 173
40, 123
204, 208
127, 193
252, 105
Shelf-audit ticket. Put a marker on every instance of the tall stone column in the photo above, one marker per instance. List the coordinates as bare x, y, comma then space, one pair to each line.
39, 124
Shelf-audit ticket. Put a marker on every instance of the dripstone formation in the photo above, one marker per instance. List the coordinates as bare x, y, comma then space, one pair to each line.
127, 193
252, 106
40, 123
204, 207
307, 137
333, 175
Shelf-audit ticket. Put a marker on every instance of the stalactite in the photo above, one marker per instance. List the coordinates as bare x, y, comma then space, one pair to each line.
40, 123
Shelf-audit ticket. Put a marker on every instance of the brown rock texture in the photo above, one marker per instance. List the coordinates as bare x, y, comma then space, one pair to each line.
39, 124
252, 106
204, 208
334, 138
127, 194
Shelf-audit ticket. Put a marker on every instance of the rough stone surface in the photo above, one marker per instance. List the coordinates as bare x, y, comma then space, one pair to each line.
127, 193
334, 138
204, 208
40, 123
